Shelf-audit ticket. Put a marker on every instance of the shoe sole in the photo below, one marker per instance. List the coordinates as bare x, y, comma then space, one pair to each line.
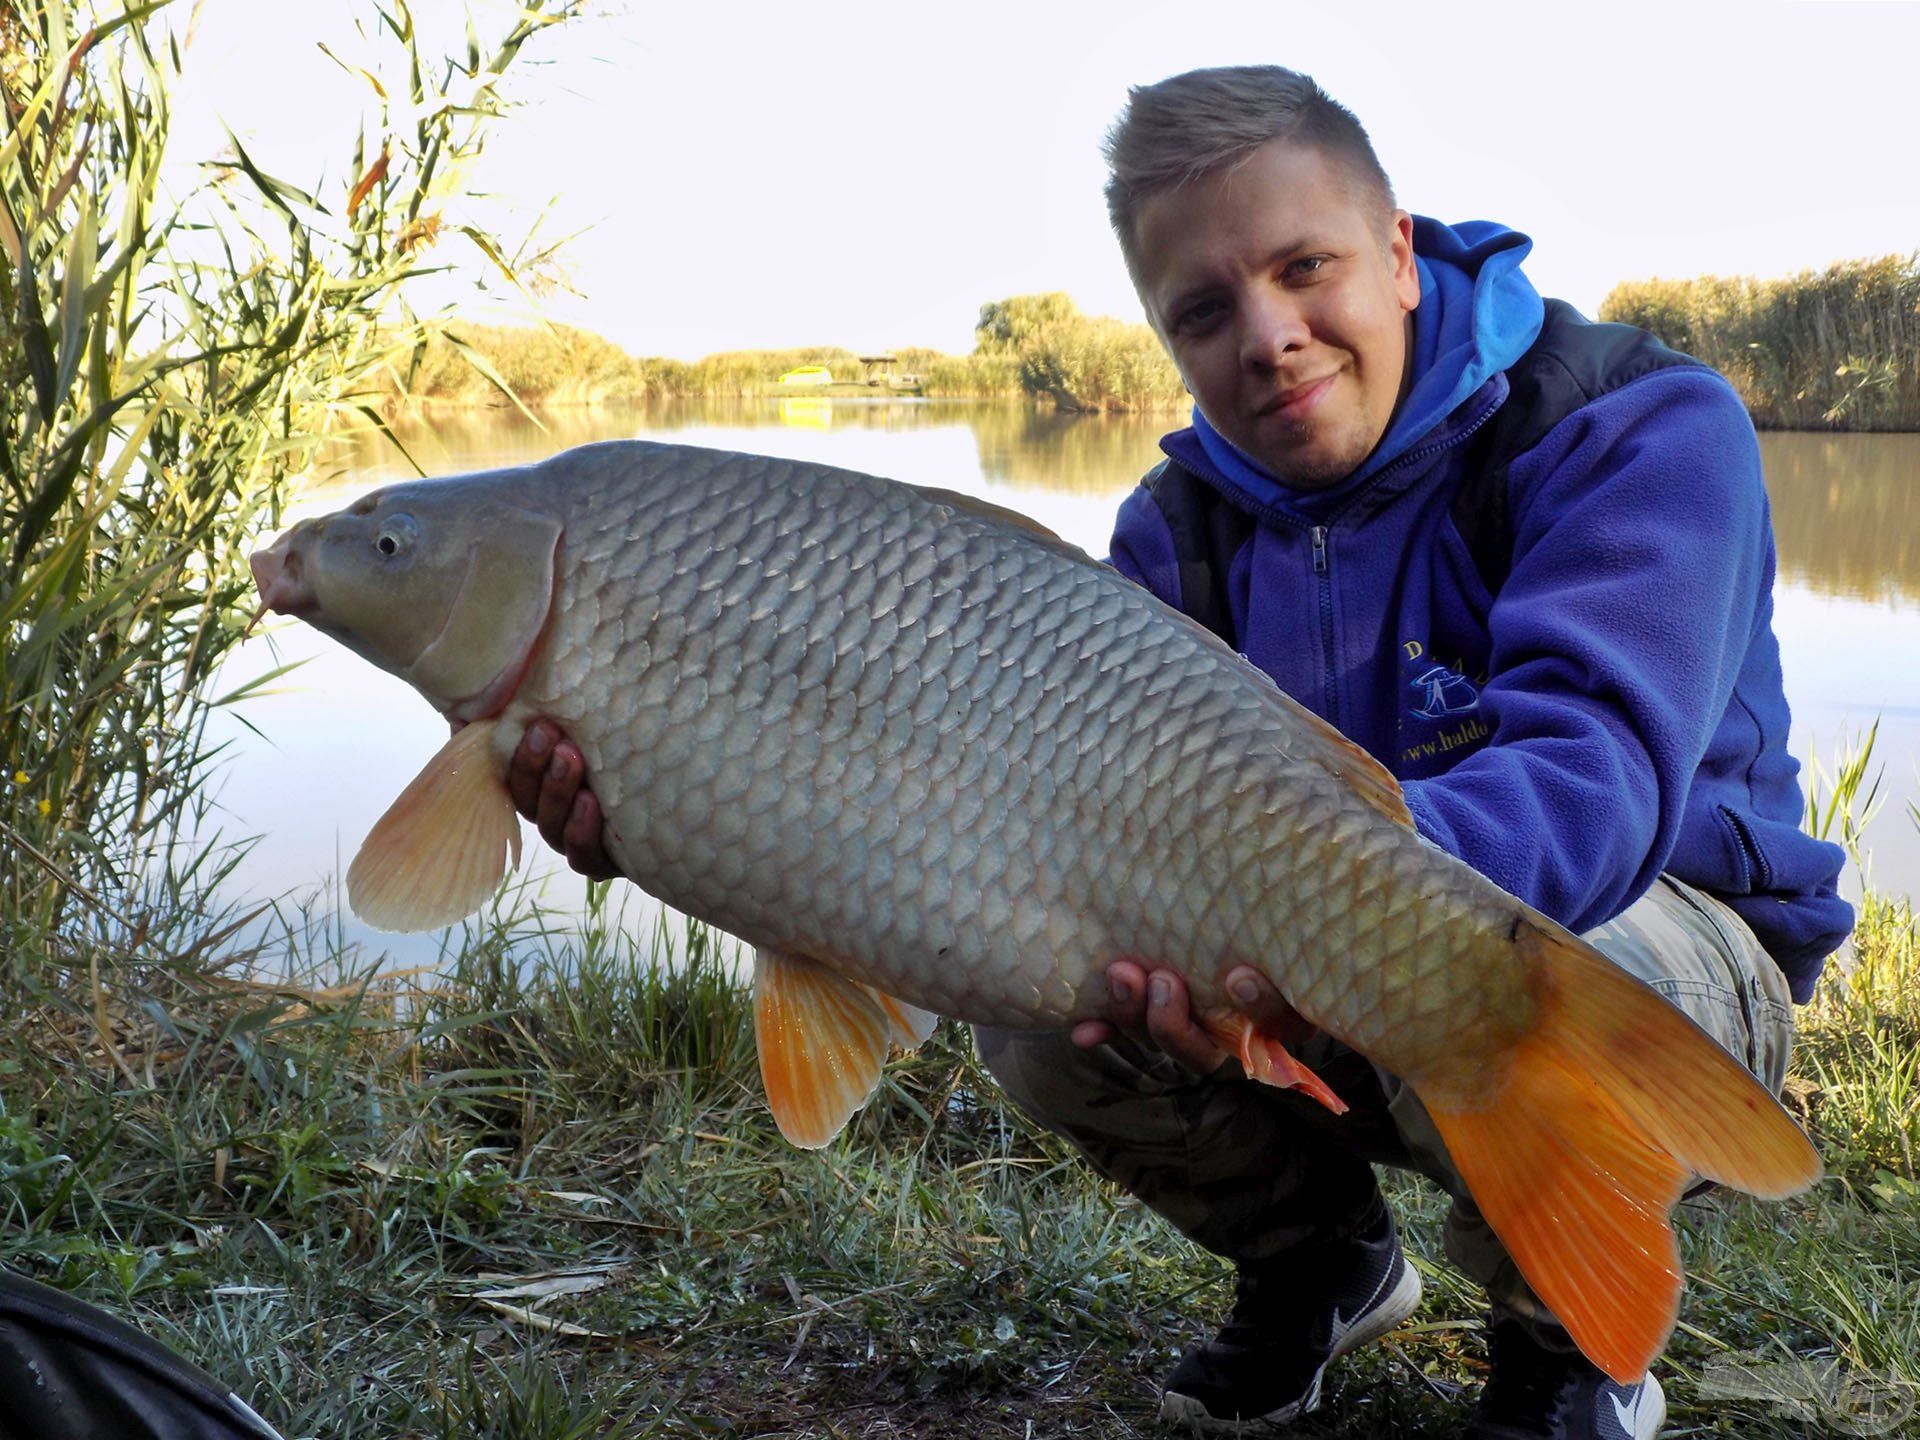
1398, 1304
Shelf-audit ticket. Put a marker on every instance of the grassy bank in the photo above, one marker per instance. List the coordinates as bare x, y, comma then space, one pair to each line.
1832, 349
536, 1194
1036, 346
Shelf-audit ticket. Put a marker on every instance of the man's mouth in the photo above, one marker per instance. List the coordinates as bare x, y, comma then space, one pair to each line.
1295, 402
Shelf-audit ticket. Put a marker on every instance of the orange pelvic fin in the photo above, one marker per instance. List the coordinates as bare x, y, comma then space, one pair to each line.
1269, 1061
908, 1025
1606, 1110
822, 1042
440, 851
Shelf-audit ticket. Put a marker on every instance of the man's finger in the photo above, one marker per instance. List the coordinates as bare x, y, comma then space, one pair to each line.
1260, 1000
1170, 1025
559, 784
1090, 1033
582, 837
528, 767
1127, 1000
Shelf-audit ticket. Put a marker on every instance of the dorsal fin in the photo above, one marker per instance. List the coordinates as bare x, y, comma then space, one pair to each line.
1001, 514
1371, 780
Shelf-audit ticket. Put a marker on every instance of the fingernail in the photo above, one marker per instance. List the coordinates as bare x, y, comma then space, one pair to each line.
1160, 989
1119, 989
557, 767
539, 740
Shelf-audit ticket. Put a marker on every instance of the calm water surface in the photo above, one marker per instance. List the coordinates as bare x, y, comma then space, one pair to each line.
316, 762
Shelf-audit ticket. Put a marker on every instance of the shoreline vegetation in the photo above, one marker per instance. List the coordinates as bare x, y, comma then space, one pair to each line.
533, 1192
1033, 346
1832, 349
1837, 349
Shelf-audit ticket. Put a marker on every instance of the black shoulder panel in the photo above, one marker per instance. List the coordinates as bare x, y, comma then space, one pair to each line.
1207, 534
1572, 363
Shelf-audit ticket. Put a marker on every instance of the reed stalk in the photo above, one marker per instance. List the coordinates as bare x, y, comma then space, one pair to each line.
168, 362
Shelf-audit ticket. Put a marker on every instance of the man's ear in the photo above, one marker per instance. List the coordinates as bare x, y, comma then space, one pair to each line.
1406, 274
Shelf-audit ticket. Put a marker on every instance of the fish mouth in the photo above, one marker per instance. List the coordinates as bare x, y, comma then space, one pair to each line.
280, 577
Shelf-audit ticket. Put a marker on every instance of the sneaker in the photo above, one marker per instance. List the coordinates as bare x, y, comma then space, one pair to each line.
1291, 1319
1547, 1390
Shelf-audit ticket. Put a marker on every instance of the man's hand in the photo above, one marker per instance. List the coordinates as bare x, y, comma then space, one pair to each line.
1152, 1008
547, 779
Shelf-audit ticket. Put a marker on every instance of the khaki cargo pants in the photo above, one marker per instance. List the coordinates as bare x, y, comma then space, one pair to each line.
1249, 1172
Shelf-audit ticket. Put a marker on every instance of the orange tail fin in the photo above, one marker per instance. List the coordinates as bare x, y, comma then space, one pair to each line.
1607, 1109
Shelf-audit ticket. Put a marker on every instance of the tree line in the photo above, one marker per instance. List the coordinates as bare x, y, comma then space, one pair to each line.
1837, 349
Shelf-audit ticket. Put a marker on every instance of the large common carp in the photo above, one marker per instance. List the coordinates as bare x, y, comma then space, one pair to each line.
926, 757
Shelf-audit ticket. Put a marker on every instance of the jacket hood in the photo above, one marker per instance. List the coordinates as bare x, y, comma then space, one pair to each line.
1477, 315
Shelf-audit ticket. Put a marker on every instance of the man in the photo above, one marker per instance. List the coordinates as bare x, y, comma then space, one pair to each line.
1526, 562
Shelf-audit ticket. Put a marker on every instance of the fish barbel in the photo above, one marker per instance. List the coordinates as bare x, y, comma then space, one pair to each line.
929, 759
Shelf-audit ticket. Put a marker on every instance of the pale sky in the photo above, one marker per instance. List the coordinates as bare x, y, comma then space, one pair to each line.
750, 175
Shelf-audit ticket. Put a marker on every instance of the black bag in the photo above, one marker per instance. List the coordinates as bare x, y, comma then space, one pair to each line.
71, 1372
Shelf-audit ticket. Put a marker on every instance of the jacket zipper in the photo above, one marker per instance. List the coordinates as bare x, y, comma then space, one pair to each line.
1319, 534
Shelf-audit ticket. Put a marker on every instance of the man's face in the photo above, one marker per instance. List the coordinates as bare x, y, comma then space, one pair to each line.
1283, 295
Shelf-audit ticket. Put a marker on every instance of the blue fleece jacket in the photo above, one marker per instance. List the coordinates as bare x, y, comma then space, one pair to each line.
1617, 709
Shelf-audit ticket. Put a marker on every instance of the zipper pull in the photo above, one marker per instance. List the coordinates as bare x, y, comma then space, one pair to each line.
1319, 549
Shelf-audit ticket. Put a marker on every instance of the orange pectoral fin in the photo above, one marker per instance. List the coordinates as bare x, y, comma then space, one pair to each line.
822, 1042
438, 853
1266, 1059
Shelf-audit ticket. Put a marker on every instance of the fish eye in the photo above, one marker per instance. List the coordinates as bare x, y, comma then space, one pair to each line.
397, 535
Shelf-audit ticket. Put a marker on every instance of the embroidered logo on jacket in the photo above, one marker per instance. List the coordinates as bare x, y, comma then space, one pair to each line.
1443, 692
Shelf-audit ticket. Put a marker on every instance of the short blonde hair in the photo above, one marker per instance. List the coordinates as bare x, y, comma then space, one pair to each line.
1193, 124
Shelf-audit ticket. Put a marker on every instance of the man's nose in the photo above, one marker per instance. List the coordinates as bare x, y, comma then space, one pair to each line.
1274, 327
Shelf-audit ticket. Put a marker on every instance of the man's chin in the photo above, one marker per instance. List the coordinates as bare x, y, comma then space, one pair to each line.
1305, 461
1308, 470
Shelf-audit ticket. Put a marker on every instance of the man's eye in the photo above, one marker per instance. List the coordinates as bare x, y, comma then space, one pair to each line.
1198, 317
1308, 265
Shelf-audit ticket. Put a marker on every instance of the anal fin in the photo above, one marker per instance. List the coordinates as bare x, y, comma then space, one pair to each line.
439, 852
1266, 1059
822, 1041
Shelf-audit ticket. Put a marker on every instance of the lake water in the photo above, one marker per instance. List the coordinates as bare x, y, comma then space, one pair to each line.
315, 763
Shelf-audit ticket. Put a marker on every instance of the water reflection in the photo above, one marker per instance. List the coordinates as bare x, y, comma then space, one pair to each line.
1014, 444
1846, 511
1846, 508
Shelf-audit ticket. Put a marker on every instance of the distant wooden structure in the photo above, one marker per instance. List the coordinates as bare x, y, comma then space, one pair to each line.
885, 363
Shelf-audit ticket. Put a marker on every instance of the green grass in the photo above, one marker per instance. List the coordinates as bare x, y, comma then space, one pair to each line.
308, 1186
